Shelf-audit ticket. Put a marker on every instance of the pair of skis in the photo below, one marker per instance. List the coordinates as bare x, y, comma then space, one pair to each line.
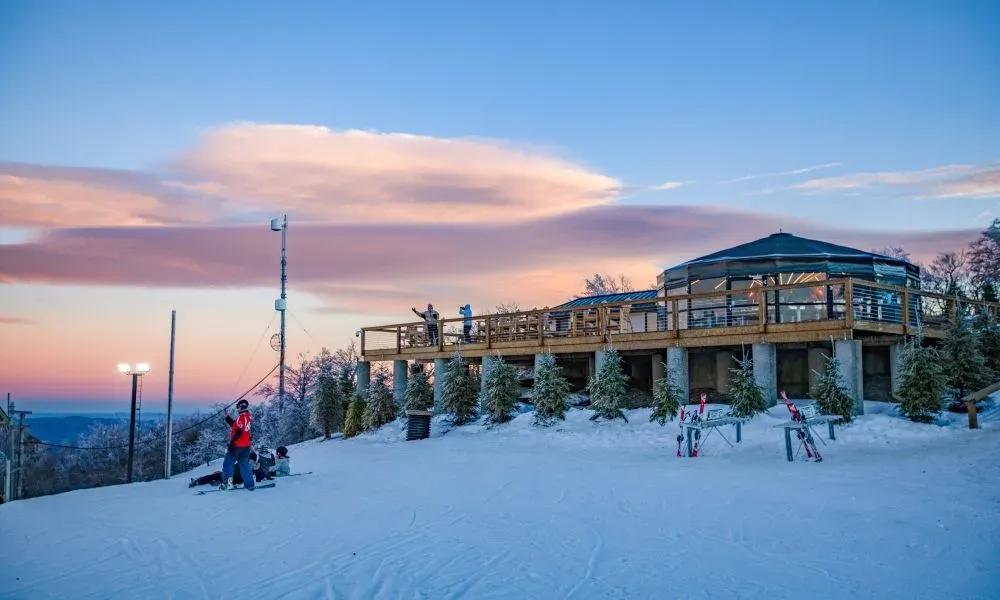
804, 433
691, 417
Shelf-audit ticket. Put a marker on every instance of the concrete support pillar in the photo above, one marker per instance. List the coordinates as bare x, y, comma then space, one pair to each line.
765, 371
848, 353
598, 361
591, 366
895, 363
440, 364
400, 371
816, 364
363, 376
658, 370
487, 365
723, 362
677, 368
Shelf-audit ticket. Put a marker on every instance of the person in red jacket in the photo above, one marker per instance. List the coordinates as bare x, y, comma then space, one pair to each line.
239, 448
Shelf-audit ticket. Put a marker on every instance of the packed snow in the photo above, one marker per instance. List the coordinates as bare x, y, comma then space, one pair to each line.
579, 510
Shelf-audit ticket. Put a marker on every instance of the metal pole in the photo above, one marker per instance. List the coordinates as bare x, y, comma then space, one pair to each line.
170, 395
131, 429
284, 279
10, 453
20, 452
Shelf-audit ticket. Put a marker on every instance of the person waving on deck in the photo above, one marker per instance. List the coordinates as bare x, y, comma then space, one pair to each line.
430, 317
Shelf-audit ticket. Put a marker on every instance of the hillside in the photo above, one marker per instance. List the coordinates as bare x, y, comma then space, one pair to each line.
582, 510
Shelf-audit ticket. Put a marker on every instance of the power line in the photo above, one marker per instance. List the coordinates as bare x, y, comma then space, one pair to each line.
160, 438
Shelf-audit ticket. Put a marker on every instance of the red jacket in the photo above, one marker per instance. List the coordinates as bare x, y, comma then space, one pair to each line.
239, 430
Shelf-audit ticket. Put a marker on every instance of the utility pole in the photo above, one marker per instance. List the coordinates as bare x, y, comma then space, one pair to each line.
131, 429
17, 471
170, 395
280, 305
7, 487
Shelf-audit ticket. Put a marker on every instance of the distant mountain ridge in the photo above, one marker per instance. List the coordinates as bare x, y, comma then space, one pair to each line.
66, 428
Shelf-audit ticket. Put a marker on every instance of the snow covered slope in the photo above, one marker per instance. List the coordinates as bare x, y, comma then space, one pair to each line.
582, 510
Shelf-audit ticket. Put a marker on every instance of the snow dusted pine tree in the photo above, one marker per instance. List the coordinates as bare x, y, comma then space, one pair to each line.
419, 392
747, 397
922, 382
551, 391
964, 364
498, 396
354, 421
831, 398
989, 342
328, 406
666, 399
609, 388
380, 408
459, 392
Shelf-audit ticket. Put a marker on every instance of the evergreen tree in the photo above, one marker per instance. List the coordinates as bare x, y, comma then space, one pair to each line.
666, 399
609, 388
988, 330
354, 421
551, 391
328, 406
499, 393
922, 382
380, 408
831, 398
748, 398
419, 391
964, 364
459, 392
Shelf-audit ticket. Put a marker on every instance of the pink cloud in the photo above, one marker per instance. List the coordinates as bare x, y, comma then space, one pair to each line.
370, 268
9, 320
948, 181
366, 176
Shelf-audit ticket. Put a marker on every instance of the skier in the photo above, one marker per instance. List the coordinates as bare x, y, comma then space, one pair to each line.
430, 317
239, 448
466, 312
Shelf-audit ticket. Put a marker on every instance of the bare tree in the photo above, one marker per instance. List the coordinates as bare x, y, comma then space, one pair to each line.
948, 274
505, 308
606, 284
893, 252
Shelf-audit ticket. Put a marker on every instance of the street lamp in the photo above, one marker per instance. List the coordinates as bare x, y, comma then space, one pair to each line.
280, 305
136, 372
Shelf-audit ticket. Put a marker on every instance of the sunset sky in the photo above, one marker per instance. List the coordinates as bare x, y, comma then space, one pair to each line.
446, 152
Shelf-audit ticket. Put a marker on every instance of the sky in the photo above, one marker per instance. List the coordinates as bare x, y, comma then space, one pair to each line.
445, 152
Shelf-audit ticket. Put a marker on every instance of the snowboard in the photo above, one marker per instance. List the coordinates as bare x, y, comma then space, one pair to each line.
258, 487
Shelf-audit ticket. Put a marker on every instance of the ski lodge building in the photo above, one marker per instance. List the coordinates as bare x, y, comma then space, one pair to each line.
785, 300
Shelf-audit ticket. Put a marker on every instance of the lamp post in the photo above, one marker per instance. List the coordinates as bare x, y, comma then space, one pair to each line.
136, 372
280, 305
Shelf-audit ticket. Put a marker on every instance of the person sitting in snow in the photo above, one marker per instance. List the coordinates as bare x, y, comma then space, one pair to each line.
282, 466
215, 478
238, 451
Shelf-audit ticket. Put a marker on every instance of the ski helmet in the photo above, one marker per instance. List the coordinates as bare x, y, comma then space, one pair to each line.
242, 405
282, 451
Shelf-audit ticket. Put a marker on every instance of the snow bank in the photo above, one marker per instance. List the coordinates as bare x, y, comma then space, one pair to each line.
579, 510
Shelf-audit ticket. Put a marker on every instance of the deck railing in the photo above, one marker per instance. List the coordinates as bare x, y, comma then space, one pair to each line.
872, 304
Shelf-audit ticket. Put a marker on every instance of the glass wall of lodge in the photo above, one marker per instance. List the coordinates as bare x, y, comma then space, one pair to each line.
739, 305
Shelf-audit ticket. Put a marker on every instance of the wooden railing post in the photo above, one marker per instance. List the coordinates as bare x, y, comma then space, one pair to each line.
762, 311
906, 311
541, 329
849, 303
675, 317
440, 326
399, 338
489, 331
362, 342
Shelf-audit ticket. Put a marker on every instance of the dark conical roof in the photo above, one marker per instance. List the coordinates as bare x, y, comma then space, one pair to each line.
786, 245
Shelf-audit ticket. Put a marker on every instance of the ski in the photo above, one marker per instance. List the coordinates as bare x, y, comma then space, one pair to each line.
258, 487
680, 436
293, 475
804, 435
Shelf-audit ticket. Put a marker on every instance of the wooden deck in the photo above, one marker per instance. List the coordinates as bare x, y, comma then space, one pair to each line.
803, 312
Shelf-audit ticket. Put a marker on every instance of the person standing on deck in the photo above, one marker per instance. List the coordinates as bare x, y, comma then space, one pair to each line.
466, 312
430, 317
239, 448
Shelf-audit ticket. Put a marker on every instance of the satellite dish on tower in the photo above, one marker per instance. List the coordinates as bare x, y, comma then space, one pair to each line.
276, 342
